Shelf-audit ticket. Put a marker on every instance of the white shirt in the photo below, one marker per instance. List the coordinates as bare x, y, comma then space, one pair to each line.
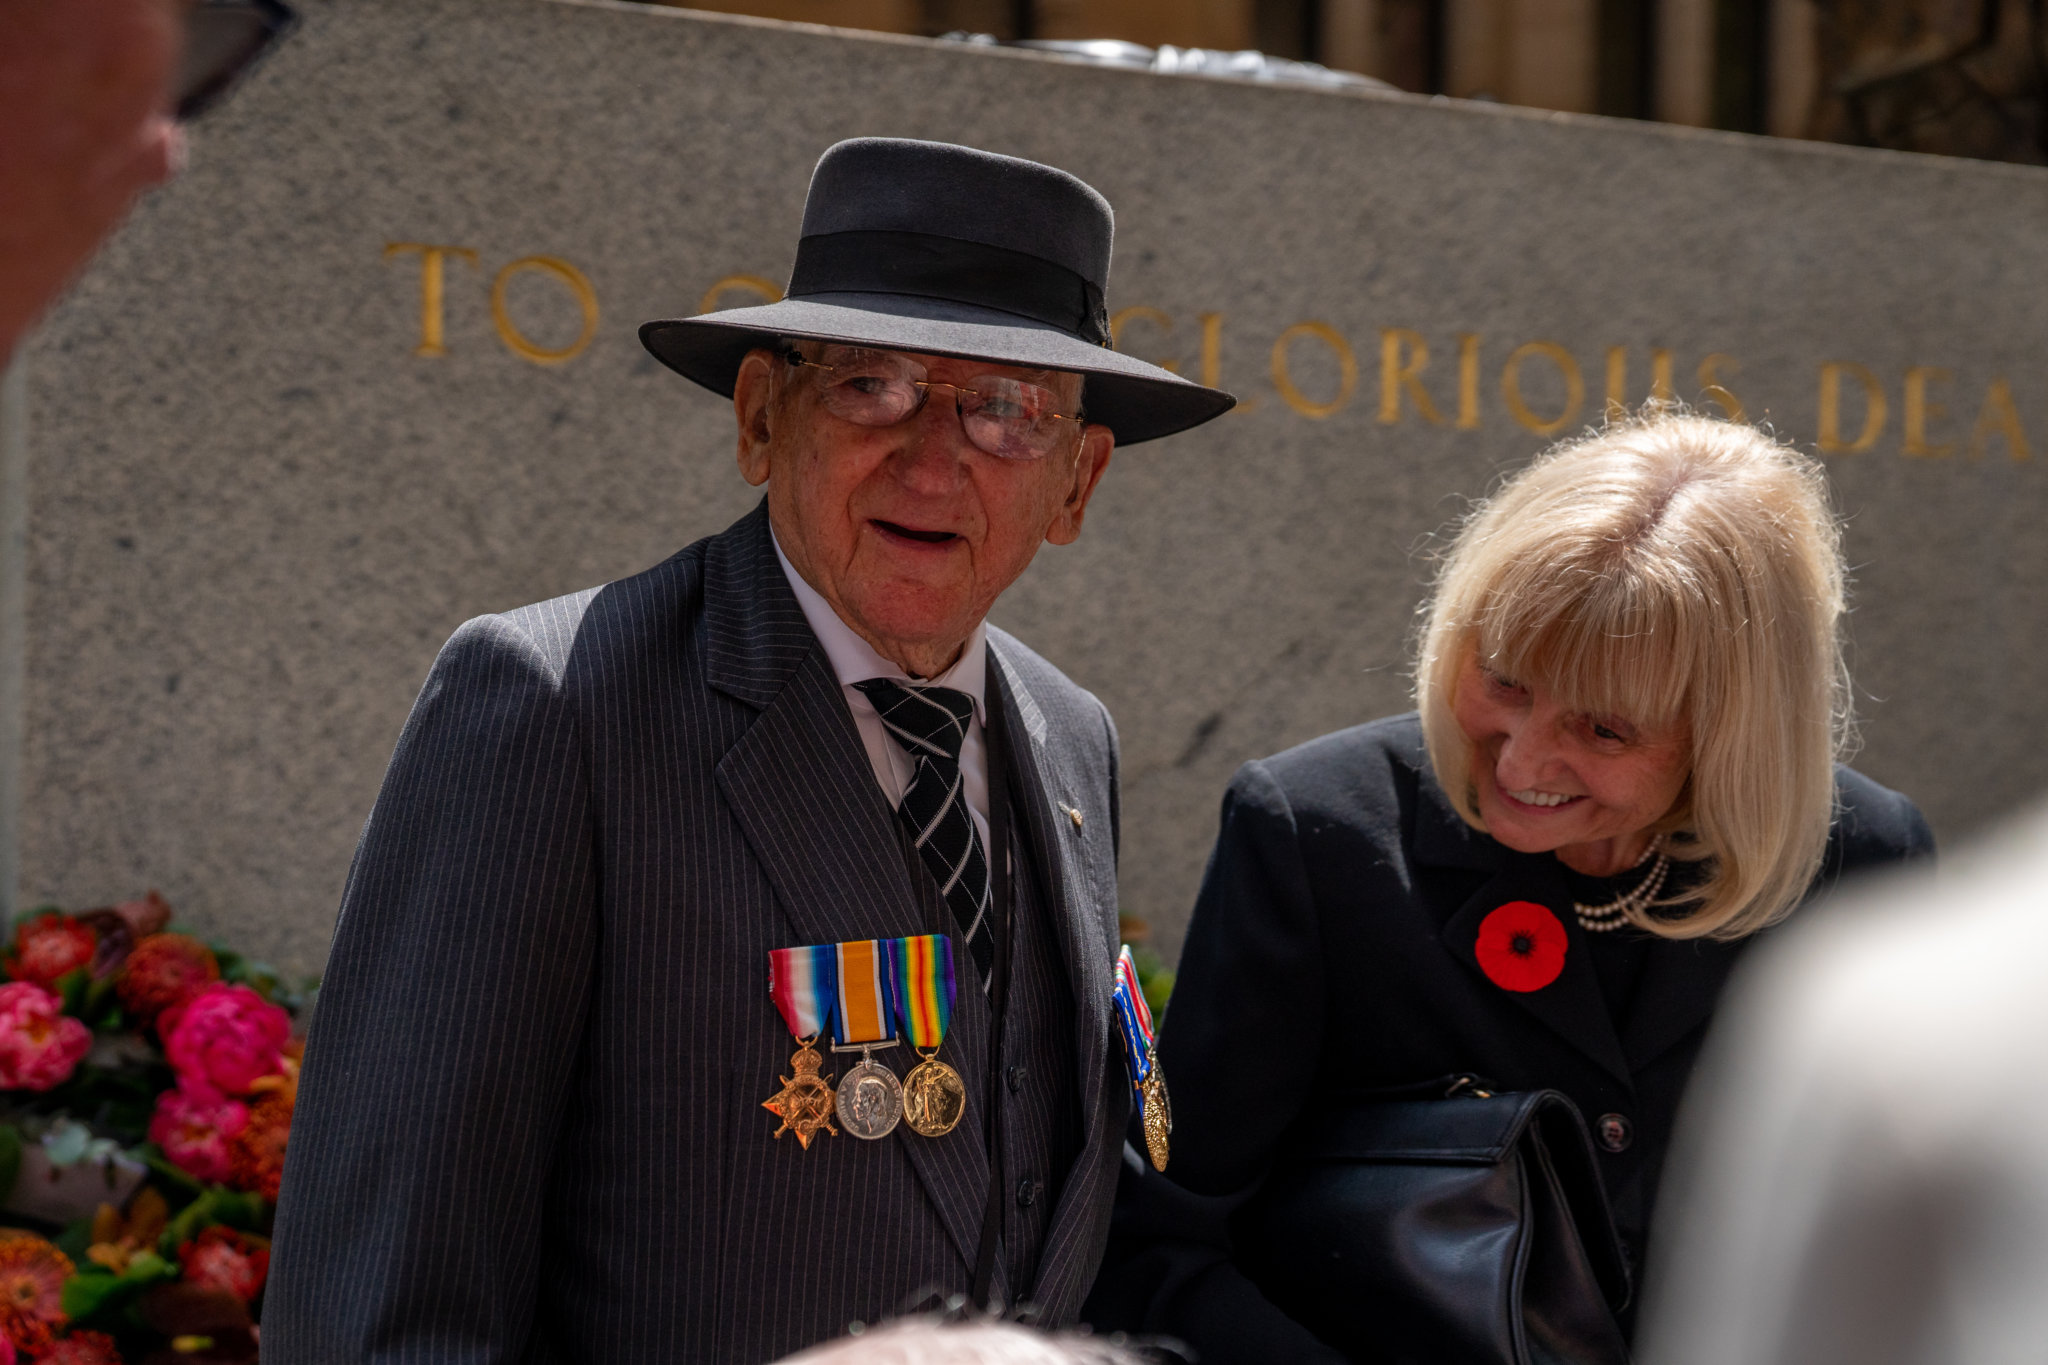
855, 660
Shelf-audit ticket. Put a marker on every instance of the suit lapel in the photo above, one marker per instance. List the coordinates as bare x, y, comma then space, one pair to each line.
800, 786
1043, 783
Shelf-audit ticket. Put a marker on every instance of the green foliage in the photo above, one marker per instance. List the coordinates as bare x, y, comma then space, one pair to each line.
218, 1204
95, 1294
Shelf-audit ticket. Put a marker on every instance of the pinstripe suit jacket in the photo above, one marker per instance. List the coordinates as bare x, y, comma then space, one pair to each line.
530, 1125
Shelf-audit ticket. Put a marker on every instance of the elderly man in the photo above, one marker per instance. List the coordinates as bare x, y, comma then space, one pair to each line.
669, 880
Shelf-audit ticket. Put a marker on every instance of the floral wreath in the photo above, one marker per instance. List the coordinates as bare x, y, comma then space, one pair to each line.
147, 1082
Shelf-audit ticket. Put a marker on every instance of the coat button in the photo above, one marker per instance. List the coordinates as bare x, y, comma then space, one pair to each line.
1615, 1132
1015, 1077
1027, 1192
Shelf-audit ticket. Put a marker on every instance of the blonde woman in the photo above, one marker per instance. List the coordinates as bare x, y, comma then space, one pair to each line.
1631, 700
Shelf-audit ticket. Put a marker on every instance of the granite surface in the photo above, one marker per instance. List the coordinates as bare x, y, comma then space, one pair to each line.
255, 508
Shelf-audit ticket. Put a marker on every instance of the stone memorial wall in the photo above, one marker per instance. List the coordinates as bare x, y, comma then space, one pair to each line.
369, 369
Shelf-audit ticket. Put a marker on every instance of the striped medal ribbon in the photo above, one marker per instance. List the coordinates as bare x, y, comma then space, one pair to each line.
803, 984
870, 1098
1134, 1019
934, 1096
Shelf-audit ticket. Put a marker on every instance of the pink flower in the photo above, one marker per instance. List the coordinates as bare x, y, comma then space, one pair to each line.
195, 1125
39, 1047
227, 1037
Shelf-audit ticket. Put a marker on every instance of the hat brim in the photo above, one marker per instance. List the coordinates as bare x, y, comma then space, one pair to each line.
1135, 400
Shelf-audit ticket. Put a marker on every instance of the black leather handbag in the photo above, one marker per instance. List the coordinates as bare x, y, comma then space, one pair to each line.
1470, 1229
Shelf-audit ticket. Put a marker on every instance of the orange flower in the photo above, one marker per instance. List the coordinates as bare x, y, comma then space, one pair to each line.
116, 1240
165, 970
32, 1275
256, 1154
81, 1348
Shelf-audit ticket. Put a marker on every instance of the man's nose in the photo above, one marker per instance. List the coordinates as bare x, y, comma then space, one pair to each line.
935, 455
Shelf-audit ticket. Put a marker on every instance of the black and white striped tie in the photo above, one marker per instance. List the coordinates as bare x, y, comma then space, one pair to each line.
931, 725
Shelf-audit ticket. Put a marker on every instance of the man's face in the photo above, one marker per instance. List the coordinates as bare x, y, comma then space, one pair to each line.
910, 531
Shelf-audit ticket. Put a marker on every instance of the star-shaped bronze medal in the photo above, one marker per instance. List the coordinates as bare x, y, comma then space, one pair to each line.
804, 1104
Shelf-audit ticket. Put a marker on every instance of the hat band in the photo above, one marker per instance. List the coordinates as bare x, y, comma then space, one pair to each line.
927, 266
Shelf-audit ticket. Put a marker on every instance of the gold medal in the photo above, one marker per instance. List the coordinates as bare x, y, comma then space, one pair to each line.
934, 1097
805, 1102
1158, 1112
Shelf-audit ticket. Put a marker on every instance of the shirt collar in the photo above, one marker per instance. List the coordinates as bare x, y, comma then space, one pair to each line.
855, 660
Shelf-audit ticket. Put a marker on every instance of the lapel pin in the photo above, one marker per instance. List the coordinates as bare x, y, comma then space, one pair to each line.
1071, 813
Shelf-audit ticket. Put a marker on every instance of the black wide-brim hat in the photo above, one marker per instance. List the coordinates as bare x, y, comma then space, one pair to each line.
924, 246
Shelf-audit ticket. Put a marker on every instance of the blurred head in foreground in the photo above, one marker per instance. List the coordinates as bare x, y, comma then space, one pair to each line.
927, 1341
1635, 640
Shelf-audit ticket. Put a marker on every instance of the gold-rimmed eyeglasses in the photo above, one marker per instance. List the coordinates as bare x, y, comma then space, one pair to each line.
1011, 419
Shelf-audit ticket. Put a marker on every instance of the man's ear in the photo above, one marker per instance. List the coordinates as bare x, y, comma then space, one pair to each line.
1096, 444
752, 404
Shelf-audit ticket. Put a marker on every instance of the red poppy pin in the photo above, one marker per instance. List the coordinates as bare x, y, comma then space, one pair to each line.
1521, 947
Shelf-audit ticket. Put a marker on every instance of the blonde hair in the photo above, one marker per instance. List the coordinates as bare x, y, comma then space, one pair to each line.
1670, 568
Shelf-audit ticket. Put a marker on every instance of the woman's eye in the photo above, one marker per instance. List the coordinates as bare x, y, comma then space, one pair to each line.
1500, 684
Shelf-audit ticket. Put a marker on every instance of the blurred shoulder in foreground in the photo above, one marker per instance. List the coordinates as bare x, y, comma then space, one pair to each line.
1865, 1175
922, 1341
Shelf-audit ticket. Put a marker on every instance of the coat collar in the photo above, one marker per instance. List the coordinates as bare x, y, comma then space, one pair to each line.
1680, 984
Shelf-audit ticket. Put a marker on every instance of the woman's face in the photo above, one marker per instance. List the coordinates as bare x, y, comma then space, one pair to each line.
1551, 780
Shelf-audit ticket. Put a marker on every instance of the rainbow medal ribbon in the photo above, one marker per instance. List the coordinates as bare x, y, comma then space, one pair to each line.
1135, 1019
803, 986
870, 1100
934, 1096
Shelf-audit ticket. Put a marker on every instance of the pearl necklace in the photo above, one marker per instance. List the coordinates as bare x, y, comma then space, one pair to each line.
1601, 919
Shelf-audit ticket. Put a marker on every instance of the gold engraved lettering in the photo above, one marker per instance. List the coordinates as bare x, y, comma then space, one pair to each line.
1617, 381
1831, 442
579, 285
1347, 365
1716, 391
1574, 386
1141, 313
1397, 374
1998, 417
1468, 381
1919, 410
1660, 376
767, 289
1212, 360
433, 280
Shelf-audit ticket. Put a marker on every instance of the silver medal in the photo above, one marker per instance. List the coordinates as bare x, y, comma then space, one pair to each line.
870, 1100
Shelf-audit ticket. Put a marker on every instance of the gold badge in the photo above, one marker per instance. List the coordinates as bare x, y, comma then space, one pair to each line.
805, 1102
1158, 1112
934, 1097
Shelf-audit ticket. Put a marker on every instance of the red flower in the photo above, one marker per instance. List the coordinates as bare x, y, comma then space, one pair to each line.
165, 970
81, 1348
1521, 946
50, 947
221, 1258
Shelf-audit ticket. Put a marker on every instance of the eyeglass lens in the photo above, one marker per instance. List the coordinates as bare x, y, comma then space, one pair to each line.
1009, 418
